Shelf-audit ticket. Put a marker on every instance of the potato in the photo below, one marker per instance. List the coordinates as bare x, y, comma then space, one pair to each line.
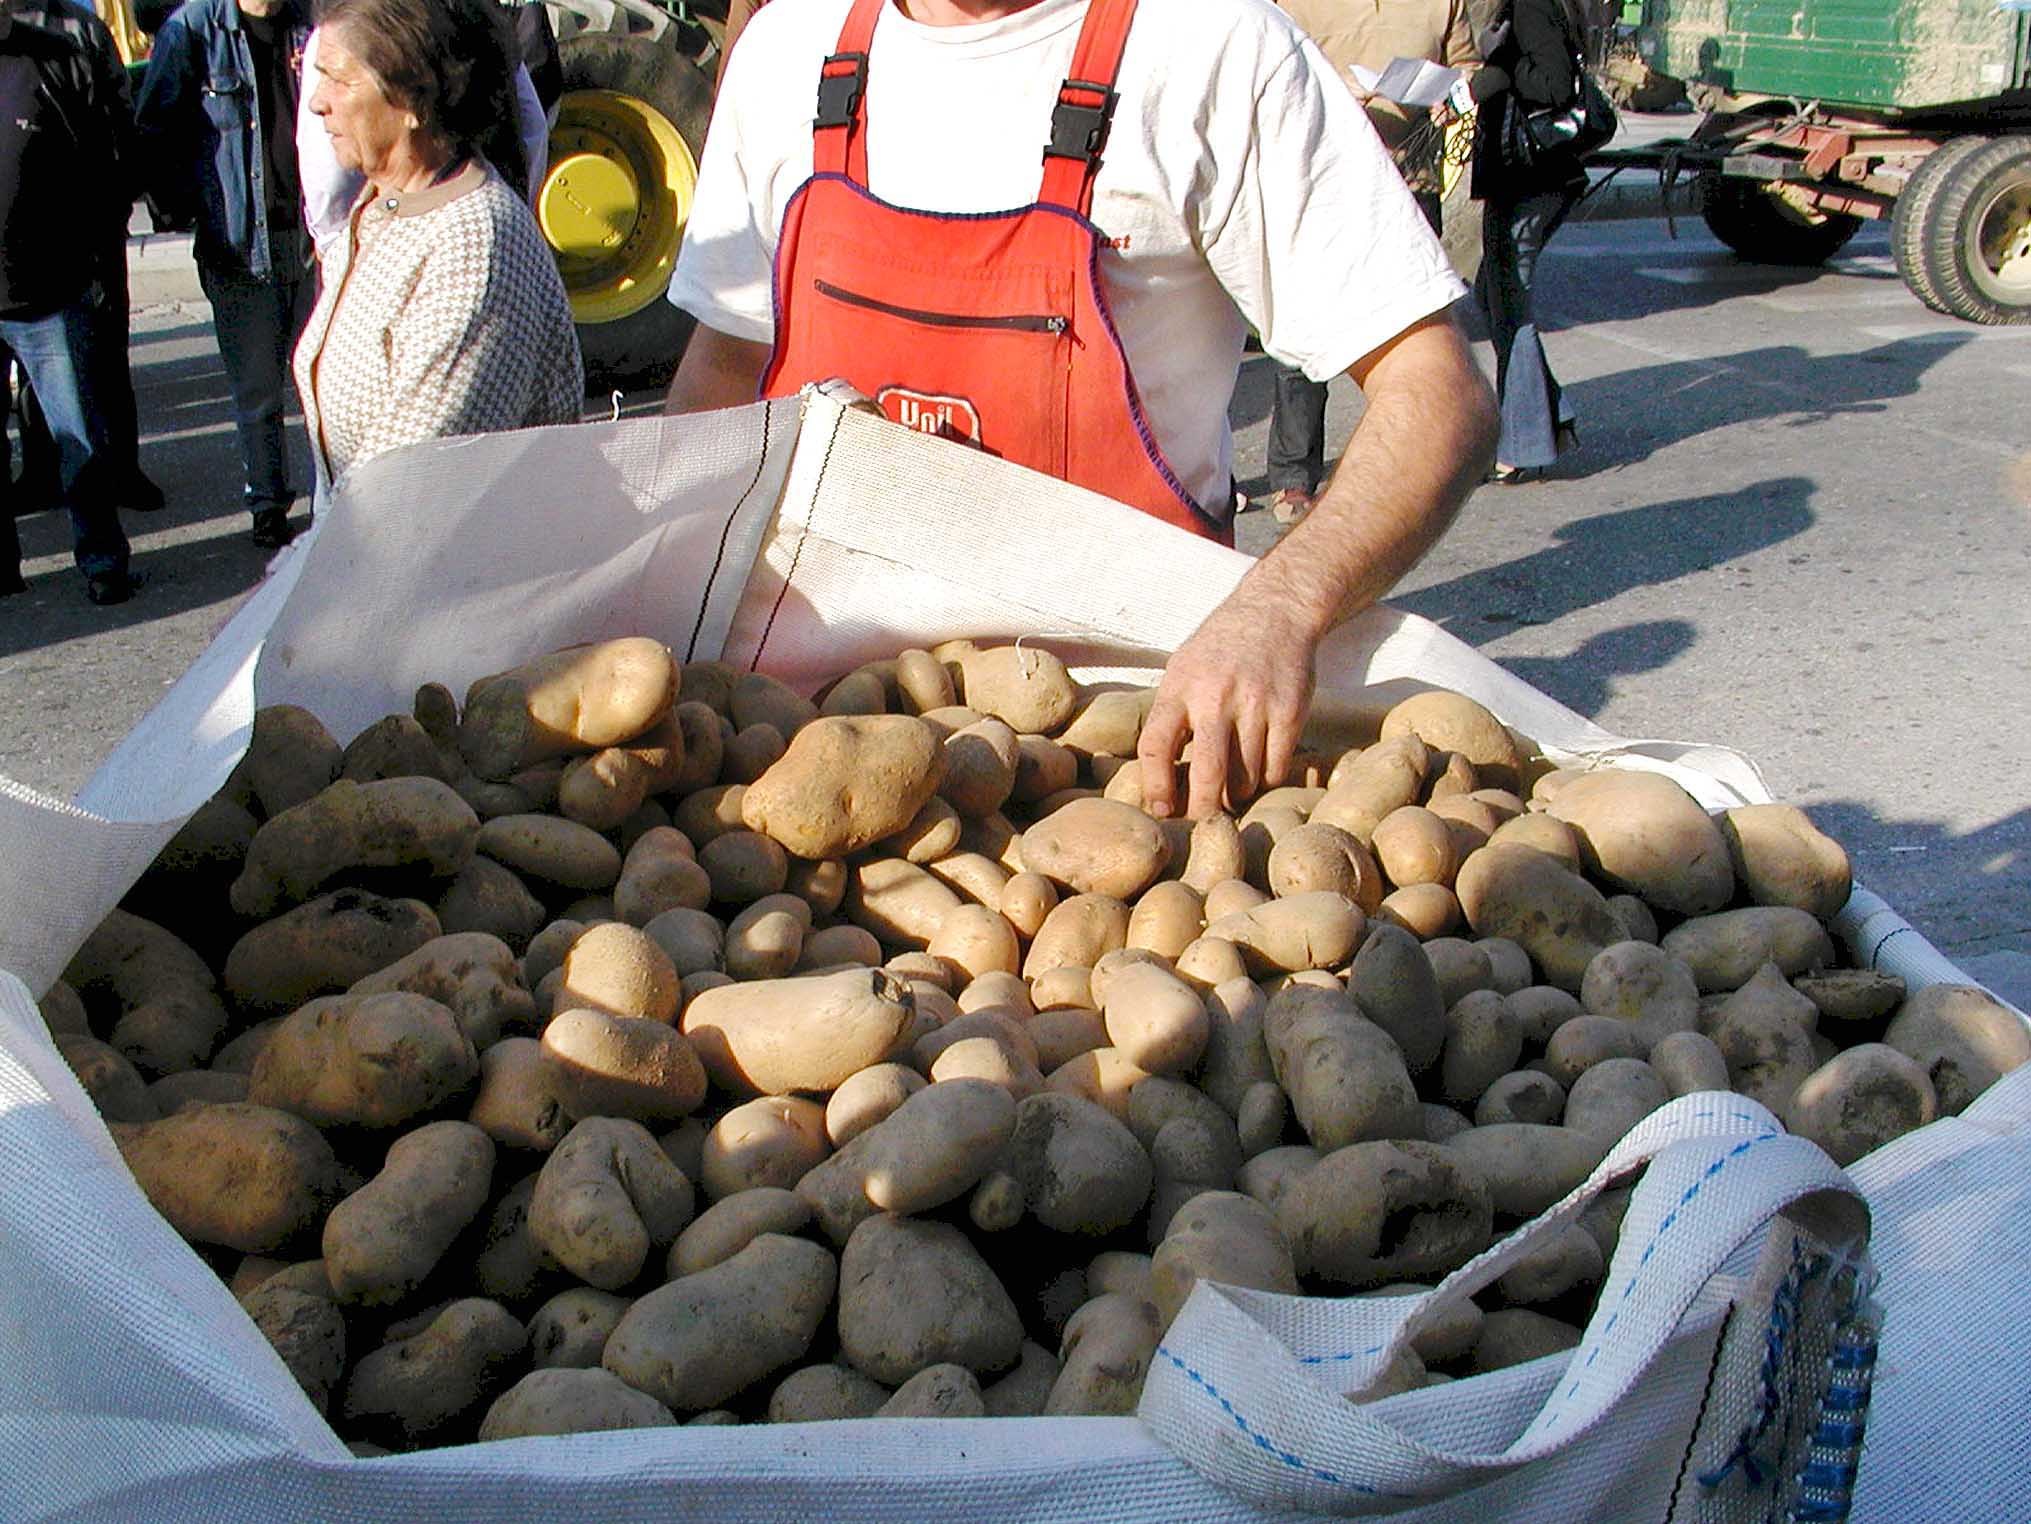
617, 969
733, 1222
1523, 1095
1414, 846
1394, 986
985, 882
1645, 834
471, 974
1963, 1038
1320, 929
771, 1141
1167, 918
826, 951
486, 896
571, 1401
1556, 916
1377, 1212
1580, 1042
759, 699
1460, 966
1345, 1076
1027, 687
1077, 933
605, 1199
1851, 995
1514, 1335
1367, 785
1541, 1010
152, 990
1447, 721
1764, 1032
932, 833
290, 757
578, 699
1097, 846
1545, 833
375, 1060
1483, 1042
425, 1387
766, 940
712, 811
1782, 858
1725, 950
307, 1331
930, 1150
810, 1033
744, 866
1611, 1097
382, 1242
845, 783
1423, 910
1107, 1348
1568, 1262
980, 768
1156, 1020
749, 753
609, 1065
978, 940
913, 1294
1237, 1055
1861, 1099
1527, 1168
114, 1085
660, 872
241, 1176
897, 901
520, 1103
551, 850
1219, 1236
1108, 722
1643, 985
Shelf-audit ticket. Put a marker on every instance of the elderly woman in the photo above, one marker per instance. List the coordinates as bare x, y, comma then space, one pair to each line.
442, 311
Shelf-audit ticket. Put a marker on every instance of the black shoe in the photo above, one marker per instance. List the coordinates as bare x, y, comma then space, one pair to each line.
139, 494
271, 528
109, 587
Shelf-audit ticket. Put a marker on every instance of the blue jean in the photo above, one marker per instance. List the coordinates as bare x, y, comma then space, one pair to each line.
1513, 234
59, 355
258, 319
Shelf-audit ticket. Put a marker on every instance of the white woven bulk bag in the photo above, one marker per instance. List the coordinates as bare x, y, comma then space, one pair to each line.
803, 539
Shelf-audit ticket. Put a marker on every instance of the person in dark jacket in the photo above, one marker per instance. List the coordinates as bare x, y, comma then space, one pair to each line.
61, 169
129, 485
217, 125
1534, 66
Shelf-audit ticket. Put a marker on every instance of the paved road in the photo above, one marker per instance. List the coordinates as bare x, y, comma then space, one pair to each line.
1791, 528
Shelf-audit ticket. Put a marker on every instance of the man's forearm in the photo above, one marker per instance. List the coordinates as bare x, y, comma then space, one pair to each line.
717, 371
1426, 439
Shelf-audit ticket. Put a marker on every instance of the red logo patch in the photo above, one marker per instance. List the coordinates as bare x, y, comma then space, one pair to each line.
929, 413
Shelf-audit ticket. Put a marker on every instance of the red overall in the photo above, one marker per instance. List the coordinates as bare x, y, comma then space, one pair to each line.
988, 328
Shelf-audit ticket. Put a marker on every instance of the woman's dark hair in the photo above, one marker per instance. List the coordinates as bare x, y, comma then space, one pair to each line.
451, 62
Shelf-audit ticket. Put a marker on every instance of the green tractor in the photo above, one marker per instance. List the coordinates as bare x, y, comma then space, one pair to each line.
1821, 114
624, 149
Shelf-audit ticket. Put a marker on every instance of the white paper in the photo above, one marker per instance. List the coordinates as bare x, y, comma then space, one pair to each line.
1407, 81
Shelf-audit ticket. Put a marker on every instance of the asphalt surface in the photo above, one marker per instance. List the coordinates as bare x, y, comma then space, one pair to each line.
1795, 525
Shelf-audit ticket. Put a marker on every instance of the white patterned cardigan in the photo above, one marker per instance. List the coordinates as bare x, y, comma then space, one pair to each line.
441, 313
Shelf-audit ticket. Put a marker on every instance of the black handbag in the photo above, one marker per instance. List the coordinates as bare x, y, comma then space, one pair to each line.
1570, 132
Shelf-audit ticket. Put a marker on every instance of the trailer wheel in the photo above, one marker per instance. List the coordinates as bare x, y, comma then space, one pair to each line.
1977, 248
1911, 216
623, 166
1766, 229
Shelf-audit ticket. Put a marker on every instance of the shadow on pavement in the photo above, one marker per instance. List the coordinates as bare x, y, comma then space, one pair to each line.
1959, 877
1581, 279
1601, 557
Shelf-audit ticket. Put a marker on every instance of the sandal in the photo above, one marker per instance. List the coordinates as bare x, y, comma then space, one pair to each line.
1289, 504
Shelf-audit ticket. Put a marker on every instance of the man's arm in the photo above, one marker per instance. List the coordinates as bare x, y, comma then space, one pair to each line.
1241, 687
717, 371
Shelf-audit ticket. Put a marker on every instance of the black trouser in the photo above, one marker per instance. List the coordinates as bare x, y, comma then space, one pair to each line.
1513, 235
1297, 409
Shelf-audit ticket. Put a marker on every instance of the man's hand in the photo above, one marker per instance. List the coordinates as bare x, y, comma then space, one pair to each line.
1240, 688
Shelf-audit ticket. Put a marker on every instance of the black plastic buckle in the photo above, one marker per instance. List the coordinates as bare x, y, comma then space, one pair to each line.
1079, 130
839, 94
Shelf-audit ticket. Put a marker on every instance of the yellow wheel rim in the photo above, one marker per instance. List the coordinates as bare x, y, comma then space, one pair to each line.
614, 202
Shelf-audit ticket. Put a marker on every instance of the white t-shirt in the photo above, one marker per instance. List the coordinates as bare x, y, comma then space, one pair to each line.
1241, 186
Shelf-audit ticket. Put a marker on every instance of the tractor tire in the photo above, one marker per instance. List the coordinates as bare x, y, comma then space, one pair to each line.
1911, 216
1977, 236
1767, 230
641, 346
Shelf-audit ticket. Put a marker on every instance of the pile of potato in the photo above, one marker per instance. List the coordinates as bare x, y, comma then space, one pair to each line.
641, 1042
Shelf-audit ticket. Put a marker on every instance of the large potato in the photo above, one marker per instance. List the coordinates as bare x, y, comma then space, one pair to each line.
1782, 858
365, 1060
931, 1149
242, 1176
779, 1036
1452, 722
321, 947
1533, 900
578, 699
153, 990
1024, 686
622, 1066
914, 1294
1318, 929
1724, 950
383, 1241
605, 1198
1641, 832
1344, 1074
1097, 846
416, 824
1373, 1213
1963, 1038
846, 782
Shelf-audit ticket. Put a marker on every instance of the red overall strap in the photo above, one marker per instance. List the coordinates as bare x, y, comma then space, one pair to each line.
839, 132
1085, 107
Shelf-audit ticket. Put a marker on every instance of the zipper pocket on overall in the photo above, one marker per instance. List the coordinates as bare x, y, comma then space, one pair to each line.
1017, 322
